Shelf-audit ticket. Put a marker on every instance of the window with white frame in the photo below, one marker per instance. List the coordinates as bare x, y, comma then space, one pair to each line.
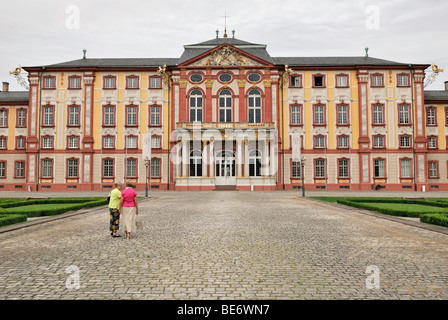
75, 82
2, 169
3, 118
225, 106
73, 115
131, 115
195, 163
131, 168
405, 141
73, 142
342, 80
295, 81
296, 114
320, 168
378, 141
254, 104
108, 142
109, 115
377, 80
132, 82
72, 168
343, 168
108, 168
405, 168
403, 117
379, 168
433, 169
47, 142
319, 142
109, 82
49, 82
156, 82
343, 142
155, 168
342, 110
48, 117
47, 168
196, 106
431, 116
155, 116
155, 142
254, 163
20, 143
20, 169
319, 115
296, 169
403, 80
3, 143
21, 118
432, 142
131, 142
378, 112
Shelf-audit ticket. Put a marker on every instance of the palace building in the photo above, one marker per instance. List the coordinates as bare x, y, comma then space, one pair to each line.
225, 115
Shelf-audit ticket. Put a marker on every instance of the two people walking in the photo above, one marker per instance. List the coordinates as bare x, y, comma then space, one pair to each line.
123, 203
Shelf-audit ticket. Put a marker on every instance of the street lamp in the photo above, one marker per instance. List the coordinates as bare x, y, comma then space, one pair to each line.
302, 169
146, 165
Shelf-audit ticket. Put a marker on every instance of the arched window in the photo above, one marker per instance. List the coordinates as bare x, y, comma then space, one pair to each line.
196, 106
195, 163
255, 163
225, 106
254, 104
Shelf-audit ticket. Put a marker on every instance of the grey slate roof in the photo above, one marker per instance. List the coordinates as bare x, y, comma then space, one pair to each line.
14, 96
436, 95
115, 63
334, 61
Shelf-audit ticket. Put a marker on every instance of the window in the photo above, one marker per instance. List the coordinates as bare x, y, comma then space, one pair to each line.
49, 82
47, 168
20, 169
195, 163
3, 118
378, 141
433, 169
432, 142
319, 115
155, 168
403, 114
21, 118
378, 114
377, 80
431, 116
405, 141
403, 80
48, 116
225, 77
225, 106
132, 82
295, 81
254, 106
196, 106
319, 168
131, 168
109, 82
3, 143
318, 81
405, 168
109, 116
73, 115
296, 168
319, 142
343, 142
155, 116
379, 168
73, 142
72, 168
131, 116
342, 111
196, 77
2, 169
108, 168
108, 142
20, 142
254, 77
155, 142
131, 142
74, 82
155, 83
343, 168
341, 81
296, 115
255, 163
47, 142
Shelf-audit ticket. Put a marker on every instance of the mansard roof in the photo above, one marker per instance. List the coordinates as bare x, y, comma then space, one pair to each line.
114, 63
14, 96
334, 61
436, 96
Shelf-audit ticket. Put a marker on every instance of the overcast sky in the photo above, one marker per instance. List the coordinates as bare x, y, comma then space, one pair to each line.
46, 32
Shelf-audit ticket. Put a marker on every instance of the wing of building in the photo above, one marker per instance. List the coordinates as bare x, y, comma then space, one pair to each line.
225, 115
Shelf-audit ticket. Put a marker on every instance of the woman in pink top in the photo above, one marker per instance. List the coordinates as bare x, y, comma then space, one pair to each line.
129, 209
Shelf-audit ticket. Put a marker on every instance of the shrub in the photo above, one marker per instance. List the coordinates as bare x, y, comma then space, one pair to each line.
7, 219
435, 218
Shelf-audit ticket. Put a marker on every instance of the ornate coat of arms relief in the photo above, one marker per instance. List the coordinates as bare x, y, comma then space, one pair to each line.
225, 57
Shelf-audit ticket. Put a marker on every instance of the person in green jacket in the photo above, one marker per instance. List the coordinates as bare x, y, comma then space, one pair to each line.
114, 209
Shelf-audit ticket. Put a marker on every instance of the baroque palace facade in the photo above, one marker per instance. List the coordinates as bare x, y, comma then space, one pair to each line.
225, 115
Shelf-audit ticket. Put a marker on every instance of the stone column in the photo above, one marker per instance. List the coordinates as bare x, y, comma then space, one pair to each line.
246, 158
239, 155
265, 159
185, 157
211, 158
204, 159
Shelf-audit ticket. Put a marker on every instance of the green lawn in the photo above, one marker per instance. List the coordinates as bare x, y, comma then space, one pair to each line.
409, 207
34, 207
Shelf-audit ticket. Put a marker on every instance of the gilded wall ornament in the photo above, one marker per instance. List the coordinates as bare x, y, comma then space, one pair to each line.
225, 57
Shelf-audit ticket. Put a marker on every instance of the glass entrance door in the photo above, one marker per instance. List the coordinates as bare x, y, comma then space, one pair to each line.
225, 168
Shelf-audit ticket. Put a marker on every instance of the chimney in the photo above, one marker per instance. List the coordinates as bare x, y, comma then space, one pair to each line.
446, 85
5, 86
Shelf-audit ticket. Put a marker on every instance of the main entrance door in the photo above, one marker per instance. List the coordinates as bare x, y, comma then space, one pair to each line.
225, 168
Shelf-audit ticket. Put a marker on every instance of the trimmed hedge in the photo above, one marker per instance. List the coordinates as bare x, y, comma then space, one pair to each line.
435, 218
7, 219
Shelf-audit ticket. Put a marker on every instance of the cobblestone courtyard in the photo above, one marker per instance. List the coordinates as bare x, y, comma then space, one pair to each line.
226, 245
